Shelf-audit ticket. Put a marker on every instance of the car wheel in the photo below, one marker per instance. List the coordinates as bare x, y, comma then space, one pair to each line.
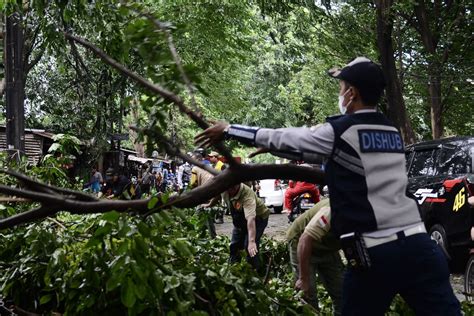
438, 234
469, 280
277, 209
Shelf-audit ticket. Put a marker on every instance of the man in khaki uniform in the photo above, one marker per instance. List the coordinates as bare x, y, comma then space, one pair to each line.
200, 177
250, 217
313, 249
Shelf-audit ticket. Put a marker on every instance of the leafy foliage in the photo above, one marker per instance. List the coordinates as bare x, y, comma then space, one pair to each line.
111, 263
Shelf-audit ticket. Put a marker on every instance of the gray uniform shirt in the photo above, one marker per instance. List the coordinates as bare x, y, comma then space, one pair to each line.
310, 145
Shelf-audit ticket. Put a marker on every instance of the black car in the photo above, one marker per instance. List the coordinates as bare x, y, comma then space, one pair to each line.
441, 178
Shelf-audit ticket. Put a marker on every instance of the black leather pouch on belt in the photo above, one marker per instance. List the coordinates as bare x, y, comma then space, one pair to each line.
355, 251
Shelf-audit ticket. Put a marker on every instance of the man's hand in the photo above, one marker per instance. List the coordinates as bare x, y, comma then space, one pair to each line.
212, 135
303, 286
252, 249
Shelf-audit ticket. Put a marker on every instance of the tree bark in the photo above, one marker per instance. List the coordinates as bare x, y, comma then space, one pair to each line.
14, 75
430, 42
396, 110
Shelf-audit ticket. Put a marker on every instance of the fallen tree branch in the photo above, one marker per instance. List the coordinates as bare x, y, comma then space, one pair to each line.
53, 203
45, 188
209, 303
267, 271
13, 200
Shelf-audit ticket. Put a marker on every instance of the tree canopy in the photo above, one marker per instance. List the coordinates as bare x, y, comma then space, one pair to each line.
255, 62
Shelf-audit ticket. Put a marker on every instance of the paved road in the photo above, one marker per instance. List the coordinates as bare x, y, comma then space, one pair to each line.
278, 224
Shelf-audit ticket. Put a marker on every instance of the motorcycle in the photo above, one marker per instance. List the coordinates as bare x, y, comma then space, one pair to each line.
301, 204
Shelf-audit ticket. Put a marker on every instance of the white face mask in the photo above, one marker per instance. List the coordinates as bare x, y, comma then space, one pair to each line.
342, 108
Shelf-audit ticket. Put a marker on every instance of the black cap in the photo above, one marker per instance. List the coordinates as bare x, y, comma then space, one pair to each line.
363, 74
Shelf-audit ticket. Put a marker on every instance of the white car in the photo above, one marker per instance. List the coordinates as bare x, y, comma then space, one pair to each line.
273, 194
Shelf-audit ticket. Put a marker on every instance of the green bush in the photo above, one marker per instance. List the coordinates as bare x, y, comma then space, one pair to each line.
116, 264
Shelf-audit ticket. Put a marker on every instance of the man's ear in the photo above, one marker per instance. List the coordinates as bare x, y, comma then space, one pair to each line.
354, 93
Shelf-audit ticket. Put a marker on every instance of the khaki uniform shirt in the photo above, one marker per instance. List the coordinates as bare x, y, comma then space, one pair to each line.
199, 176
316, 222
248, 202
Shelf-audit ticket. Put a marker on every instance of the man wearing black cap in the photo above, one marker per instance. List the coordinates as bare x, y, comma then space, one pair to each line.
380, 228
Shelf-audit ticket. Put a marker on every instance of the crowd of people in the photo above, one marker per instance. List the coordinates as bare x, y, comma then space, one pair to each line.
148, 180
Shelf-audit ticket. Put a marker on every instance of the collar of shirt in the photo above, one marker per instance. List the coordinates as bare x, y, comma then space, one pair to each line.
366, 111
237, 196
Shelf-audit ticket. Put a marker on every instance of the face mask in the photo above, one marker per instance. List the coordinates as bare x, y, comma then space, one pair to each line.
343, 108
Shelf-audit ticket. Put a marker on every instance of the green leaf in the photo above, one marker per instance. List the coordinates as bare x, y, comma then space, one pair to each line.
172, 282
113, 282
182, 248
45, 299
144, 229
54, 147
152, 202
127, 296
104, 230
112, 216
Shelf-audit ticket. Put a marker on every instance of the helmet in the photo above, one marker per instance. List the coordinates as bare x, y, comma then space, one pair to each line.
325, 190
200, 151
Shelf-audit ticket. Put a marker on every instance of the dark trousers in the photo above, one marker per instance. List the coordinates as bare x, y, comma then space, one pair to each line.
240, 239
414, 267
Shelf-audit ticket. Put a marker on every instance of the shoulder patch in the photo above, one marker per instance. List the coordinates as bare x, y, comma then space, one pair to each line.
323, 221
237, 205
372, 141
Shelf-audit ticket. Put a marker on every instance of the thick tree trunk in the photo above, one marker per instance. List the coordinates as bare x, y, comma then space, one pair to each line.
14, 75
396, 110
430, 43
434, 89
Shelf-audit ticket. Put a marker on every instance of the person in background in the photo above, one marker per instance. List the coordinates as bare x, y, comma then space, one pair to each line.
156, 164
96, 181
296, 189
214, 159
184, 175
146, 180
201, 177
119, 182
106, 189
164, 179
218, 165
132, 190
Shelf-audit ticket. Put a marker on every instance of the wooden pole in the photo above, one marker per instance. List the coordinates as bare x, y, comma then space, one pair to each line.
14, 92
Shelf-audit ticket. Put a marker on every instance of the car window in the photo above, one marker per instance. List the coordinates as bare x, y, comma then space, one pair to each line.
453, 161
408, 157
422, 164
471, 161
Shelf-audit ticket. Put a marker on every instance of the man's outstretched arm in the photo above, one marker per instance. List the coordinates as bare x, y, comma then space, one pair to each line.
303, 142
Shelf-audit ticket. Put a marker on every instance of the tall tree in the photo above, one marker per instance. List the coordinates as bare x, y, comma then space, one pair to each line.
396, 109
439, 24
15, 82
